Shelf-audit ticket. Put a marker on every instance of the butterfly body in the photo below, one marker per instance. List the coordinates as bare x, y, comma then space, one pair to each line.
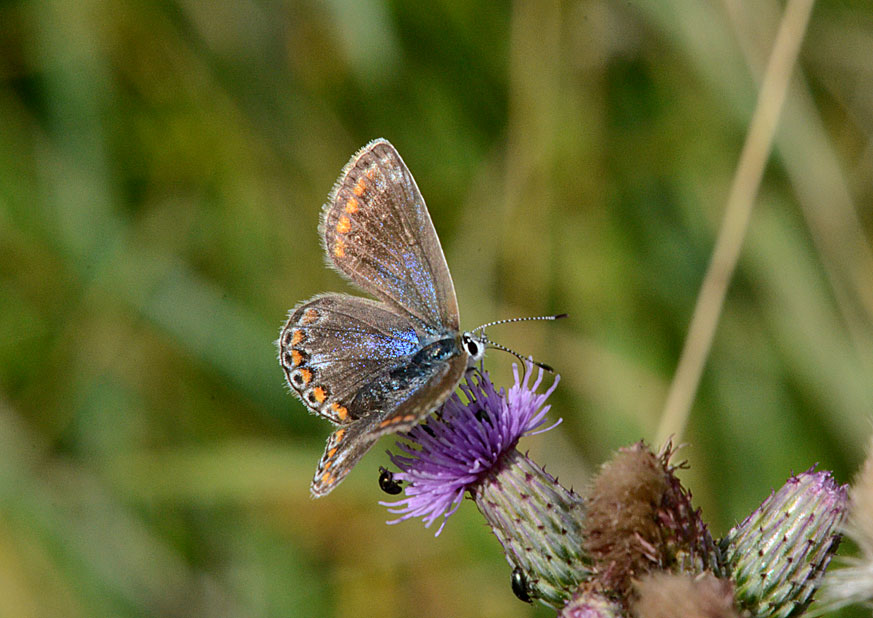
375, 367
389, 390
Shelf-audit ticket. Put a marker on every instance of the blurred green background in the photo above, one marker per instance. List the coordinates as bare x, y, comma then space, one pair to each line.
162, 169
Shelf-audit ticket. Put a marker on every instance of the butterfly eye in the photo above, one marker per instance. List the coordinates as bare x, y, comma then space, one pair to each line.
473, 347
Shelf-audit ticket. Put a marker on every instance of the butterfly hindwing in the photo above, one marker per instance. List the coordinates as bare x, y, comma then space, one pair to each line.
334, 345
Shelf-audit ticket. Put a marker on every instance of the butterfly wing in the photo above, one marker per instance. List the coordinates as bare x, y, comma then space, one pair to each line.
348, 444
334, 345
345, 447
377, 232
366, 368
437, 384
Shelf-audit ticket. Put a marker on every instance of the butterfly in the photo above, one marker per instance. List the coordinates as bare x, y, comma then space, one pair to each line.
375, 367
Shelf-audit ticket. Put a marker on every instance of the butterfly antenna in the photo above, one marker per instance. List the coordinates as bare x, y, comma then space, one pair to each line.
527, 319
521, 358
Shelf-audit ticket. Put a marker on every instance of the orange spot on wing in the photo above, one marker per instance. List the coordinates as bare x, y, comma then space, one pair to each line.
360, 187
352, 206
339, 249
296, 337
341, 411
327, 478
371, 173
331, 453
338, 436
343, 225
319, 394
296, 357
309, 316
307, 375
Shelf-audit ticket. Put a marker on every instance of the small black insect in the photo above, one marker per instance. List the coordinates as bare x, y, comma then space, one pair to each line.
387, 482
519, 585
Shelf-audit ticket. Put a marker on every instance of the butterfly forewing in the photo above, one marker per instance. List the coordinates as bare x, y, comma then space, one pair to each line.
377, 231
349, 443
345, 447
429, 395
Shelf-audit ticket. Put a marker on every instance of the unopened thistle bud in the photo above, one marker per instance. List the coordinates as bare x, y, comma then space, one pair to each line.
777, 556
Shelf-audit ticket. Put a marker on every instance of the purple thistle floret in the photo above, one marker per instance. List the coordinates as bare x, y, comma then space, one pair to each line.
451, 451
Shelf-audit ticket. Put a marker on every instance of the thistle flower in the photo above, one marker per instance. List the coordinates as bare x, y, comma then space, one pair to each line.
470, 448
451, 452
635, 544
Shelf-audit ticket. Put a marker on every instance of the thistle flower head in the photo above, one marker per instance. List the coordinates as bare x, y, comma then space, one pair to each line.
640, 519
448, 454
